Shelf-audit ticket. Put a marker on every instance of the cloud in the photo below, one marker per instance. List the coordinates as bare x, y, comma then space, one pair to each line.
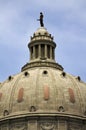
66, 20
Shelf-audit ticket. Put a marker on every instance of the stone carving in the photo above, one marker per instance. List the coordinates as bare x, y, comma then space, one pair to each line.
47, 125
75, 127
38, 64
4, 128
18, 127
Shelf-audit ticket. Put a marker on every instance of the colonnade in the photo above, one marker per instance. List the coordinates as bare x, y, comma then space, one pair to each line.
42, 51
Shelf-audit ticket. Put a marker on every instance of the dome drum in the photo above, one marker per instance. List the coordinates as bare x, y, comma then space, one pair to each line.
45, 42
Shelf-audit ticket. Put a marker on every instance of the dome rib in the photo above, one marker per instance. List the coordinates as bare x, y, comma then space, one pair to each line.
78, 92
13, 92
55, 88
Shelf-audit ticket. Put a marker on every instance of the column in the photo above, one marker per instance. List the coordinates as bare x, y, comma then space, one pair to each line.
50, 52
39, 54
32, 125
53, 53
62, 125
45, 51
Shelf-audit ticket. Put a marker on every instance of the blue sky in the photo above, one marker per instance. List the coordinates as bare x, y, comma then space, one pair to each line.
64, 19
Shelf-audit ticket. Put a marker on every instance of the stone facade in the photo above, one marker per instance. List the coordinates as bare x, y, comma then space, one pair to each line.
43, 123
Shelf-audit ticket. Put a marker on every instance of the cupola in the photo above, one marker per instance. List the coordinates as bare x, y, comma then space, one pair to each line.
42, 50
42, 46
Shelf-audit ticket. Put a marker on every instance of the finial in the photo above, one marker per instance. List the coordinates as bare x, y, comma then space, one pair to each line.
41, 19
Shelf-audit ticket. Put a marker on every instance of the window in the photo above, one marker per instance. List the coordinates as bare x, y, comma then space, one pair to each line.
45, 72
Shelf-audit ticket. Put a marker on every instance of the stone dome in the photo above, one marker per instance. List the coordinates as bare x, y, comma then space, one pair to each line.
40, 34
41, 31
52, 91
42, 95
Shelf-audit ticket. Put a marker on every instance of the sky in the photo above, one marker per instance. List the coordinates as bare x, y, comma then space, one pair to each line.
64, 19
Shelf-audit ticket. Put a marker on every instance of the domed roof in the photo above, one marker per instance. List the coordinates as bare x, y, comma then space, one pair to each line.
52, 91
42, 87
42, 34
41, 31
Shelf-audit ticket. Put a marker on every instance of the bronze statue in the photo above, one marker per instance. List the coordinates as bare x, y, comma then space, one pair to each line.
41, 19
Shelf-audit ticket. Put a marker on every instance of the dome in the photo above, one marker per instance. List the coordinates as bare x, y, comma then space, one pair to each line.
42, 34
41, 31
52, 91
42, 96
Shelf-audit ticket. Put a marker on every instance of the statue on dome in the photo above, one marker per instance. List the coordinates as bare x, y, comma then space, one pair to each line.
41, 19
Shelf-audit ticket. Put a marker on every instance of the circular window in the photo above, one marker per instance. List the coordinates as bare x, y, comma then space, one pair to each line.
26, 73
10, 78
45, 72
61, 109
32, 109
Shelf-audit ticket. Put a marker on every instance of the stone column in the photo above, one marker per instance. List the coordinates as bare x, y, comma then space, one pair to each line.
32, 125
50, 52
62, 125
39, 53
45, 51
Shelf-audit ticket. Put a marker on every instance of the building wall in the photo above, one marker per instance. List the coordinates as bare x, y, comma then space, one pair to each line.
43, 123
